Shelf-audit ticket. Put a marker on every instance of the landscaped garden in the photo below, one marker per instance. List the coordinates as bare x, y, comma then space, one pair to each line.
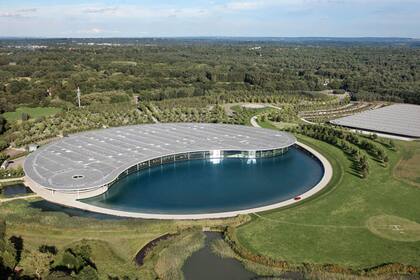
355, 224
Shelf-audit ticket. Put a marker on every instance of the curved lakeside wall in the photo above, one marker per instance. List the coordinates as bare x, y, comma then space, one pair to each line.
70, 199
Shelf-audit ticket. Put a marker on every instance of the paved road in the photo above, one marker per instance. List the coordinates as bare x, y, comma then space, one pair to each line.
254, 122
302, 119
11, 179
15, 163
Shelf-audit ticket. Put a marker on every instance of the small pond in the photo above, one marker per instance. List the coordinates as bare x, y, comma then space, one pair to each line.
14, 190
206, 265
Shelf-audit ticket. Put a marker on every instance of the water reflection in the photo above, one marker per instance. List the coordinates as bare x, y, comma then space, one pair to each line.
205, 265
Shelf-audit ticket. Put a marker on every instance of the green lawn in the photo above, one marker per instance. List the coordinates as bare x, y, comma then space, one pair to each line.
33, 112
334, 226
408, 168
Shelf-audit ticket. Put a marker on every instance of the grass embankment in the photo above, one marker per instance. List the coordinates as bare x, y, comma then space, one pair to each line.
167, 259
32, 112
336, 227
114, 242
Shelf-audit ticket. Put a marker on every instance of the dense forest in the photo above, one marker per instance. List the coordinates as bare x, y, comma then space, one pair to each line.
48, 73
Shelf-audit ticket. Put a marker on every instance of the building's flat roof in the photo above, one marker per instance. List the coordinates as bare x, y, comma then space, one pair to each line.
99, 156
397, 119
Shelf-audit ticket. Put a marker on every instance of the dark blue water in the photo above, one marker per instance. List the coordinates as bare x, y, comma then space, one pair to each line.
15, 189
202, 186
206, 265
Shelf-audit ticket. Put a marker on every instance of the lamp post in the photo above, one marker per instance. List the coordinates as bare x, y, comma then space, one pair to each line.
78, 96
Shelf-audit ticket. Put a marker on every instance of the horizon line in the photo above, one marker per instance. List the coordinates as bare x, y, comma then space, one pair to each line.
208, 36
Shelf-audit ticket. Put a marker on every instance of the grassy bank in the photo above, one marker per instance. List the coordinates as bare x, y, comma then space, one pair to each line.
167, 259
307, 271
336, 227
114, 242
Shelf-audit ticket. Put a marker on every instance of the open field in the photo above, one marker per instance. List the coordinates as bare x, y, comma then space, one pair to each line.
32, 112
334, 227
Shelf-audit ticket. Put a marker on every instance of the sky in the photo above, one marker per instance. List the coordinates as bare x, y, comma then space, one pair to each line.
256, 18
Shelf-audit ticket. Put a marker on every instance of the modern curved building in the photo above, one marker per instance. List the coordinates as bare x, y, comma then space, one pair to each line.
86, 164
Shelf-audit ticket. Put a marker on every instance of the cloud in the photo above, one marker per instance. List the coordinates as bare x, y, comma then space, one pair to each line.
11, 15
100, 10
27, 10
243, 5
221, 17
96, 31
20, 13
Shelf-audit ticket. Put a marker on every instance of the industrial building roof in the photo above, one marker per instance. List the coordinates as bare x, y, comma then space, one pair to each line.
397, 119
92, 159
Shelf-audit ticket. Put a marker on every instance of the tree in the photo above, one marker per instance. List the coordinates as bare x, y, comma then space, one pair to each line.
40, 261
8, 256
24, 116
88, 273
3, 124
77, 261
391, 144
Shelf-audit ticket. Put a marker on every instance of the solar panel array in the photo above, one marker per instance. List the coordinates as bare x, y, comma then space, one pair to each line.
92, 159
398, 119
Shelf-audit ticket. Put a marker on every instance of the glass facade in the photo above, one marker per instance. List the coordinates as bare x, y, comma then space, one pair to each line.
197, 155
180, 157
201, 155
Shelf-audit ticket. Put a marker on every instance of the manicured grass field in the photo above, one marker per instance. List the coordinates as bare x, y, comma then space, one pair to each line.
408, 168
357, 222
33, 112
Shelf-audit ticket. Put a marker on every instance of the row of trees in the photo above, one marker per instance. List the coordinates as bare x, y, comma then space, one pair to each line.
360, 162
349, 142
102, 113
73, 120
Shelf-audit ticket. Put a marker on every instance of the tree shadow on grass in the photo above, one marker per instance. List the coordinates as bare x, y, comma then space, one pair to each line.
46, 206
17, 242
